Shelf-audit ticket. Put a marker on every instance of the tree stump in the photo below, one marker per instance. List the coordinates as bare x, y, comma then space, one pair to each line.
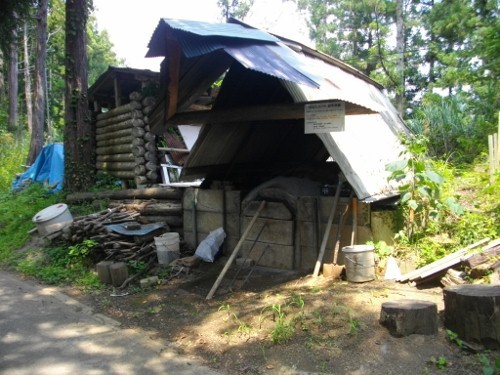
406, 317
472, 312
103, 271
119, 273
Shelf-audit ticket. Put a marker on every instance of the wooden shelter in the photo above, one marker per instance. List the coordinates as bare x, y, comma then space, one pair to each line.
280, 122
286, 122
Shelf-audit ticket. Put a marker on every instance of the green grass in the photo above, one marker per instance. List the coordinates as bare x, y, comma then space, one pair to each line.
16, 214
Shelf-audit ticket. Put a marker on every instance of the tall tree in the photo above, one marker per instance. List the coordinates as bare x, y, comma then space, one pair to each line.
235, 8
78, 135
13, 73
27, 79
100, 55
37, 137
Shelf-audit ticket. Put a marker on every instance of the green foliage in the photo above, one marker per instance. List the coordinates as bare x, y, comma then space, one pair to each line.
242, 327
234, 8
420, 185
489, 368
453, 132
80, 253
453, 337
283, 329
58, 265
382, 250
441, 362
16, 213
13, 155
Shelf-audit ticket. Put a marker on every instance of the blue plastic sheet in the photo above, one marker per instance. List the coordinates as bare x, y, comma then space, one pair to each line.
48, 169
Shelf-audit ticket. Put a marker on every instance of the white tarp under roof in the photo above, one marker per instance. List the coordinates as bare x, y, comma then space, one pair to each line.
369, 142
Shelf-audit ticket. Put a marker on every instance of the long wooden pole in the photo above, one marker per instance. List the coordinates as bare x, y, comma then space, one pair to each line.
235, 252
328, 226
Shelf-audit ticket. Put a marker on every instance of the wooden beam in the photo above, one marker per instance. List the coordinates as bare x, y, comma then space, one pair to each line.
292, 111
174, 62
118, 93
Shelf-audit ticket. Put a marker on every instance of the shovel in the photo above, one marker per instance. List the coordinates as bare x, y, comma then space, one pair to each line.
335, 270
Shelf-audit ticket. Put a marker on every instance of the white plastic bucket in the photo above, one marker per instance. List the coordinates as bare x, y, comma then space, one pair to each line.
167, 247
359, 263
52, 219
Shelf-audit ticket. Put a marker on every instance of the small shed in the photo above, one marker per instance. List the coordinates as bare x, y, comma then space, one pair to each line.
280, 122
286, 122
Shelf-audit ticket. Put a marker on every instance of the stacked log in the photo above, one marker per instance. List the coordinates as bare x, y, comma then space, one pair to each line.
110, 245
166, 211
155, 204
126, 148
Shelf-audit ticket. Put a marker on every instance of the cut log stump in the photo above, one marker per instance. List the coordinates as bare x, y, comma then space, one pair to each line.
472, 312
406, 317
103, 271
119, 273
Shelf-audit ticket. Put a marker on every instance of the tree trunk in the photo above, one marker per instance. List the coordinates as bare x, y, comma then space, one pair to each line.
2, 78
13, 83
406, 317
37, 138
27, 80
472, 312
400, 49
79, 136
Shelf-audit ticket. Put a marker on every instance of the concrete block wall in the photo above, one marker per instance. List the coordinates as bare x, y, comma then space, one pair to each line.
289, 240
209, 206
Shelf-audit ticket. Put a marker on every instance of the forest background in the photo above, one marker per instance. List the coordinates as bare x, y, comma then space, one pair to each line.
438, 60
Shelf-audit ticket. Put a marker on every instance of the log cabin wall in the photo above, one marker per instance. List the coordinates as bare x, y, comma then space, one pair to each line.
126, 149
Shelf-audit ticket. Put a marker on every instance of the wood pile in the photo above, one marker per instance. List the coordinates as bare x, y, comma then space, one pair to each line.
110, 245
462, 266
154, 204
126, 148
168, 212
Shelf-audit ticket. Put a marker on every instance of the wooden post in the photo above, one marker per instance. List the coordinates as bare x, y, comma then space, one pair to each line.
235, 252
328, 226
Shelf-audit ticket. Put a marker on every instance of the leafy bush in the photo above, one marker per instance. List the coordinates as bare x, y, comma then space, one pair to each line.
453, 133
13, 155
420, 202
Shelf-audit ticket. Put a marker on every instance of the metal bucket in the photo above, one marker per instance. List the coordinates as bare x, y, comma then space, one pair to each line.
359, 263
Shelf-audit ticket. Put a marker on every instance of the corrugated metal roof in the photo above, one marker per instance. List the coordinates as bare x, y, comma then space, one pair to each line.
228, 30
361, 151
255, 49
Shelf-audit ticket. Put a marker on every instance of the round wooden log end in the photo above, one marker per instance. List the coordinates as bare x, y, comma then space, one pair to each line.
473, 313
406, 317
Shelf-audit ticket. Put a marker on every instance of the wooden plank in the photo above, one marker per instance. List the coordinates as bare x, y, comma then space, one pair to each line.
235, 252
174, 61
441, 264
252, 113
276, 231
209, 221
212, 200
273, 210
276, 256
328, 226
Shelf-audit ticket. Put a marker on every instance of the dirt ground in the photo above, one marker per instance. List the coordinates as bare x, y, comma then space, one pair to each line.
281, 322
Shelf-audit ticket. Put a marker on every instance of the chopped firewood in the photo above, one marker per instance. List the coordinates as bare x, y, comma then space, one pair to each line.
453, 277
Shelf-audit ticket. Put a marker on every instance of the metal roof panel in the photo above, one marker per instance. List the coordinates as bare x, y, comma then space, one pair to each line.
229, 30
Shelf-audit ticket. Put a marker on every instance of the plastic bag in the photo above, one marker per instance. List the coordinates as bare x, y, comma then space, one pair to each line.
209, 247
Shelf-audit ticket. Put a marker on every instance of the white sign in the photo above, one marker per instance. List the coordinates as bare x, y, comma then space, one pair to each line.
324, 117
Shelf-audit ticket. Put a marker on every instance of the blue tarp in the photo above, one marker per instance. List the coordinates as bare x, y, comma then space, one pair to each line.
48, 169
